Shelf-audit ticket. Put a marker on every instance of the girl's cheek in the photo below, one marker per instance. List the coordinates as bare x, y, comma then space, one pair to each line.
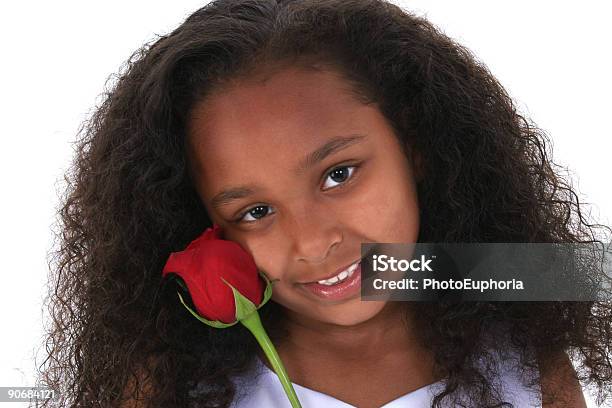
260, 251
266, 256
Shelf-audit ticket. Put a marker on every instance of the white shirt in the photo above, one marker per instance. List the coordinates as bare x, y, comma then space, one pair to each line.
262, 388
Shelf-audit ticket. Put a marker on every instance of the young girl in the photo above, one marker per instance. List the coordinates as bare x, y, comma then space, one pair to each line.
304, 128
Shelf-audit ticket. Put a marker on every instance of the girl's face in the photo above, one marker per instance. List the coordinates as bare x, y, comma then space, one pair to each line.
300, 173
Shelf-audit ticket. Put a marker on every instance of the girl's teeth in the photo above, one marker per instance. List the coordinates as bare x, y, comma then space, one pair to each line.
340, 277
329, 281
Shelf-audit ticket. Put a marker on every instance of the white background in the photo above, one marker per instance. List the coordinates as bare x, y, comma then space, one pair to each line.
553, 57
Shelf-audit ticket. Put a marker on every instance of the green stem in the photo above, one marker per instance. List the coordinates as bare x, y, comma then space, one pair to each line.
253, 323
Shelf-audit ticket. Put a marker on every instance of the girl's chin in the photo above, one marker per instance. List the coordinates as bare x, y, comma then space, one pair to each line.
347, 314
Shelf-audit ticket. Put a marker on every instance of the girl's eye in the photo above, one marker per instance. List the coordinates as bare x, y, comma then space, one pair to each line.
255, 213
338, 175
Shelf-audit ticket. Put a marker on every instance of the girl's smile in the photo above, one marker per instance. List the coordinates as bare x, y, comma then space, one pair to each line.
339, 287
300, 172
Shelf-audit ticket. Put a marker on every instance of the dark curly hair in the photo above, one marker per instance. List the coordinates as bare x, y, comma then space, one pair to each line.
130, 202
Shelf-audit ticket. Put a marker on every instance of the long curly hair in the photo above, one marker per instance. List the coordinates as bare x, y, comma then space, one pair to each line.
129, 202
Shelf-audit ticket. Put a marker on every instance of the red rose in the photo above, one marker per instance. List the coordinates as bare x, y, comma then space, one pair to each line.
226, 288
204, 265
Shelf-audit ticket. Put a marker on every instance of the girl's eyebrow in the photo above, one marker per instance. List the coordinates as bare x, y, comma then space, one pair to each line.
330, 147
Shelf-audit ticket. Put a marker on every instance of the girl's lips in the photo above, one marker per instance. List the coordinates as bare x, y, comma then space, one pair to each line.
343, 290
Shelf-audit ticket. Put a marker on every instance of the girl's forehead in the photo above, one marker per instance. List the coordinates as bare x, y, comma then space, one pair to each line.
293, 111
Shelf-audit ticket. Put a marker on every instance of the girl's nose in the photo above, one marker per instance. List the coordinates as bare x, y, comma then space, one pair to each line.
314, 235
